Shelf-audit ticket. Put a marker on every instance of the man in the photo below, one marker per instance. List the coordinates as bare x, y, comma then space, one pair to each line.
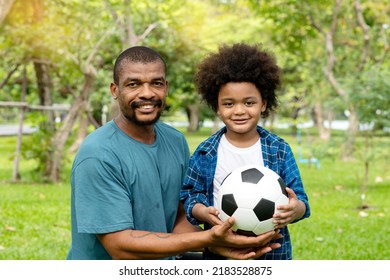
127, 175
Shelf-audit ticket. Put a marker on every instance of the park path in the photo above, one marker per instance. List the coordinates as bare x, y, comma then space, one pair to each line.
12, 129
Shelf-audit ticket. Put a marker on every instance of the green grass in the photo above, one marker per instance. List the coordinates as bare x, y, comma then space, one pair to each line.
35, 218
34, 221
339, 228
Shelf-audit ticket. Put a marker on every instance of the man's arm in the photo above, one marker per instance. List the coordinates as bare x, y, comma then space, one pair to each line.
182, 225
136, 244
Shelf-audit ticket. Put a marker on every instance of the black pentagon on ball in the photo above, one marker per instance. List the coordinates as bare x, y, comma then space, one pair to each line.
252, 175
282, 186
264, 209
229, 205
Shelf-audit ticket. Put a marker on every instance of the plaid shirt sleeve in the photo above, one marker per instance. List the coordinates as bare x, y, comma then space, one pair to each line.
279, 157
292, 178
194, 189
198, 182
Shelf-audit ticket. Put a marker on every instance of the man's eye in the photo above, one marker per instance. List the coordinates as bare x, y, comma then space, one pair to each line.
158, 84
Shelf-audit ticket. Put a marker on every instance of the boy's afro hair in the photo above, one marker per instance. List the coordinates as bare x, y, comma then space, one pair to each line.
238, 63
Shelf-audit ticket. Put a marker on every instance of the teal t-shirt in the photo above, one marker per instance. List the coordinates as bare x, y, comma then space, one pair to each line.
119, 183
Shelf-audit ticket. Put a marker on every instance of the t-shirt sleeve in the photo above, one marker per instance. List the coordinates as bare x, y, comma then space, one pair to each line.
102, 201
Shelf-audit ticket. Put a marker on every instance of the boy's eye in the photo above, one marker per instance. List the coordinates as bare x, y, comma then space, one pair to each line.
228, 104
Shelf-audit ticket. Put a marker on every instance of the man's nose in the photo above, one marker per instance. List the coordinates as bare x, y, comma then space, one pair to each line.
146, 91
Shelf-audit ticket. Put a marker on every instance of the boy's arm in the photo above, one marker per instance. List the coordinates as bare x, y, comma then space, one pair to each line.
206, 214
194, 190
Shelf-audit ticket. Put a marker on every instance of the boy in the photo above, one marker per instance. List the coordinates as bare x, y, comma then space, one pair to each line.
239, 83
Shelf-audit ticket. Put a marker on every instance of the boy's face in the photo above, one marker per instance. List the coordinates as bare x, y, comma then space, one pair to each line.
240, 106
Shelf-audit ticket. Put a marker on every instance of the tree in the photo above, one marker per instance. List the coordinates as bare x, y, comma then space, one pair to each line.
72, 51
38, 32
290, 36
357, 49
71, 42
5, 6
122, 15
198, 28
25, 27
374, 113
335, 40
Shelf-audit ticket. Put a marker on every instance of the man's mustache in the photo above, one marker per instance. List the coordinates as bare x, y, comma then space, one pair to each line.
137, 104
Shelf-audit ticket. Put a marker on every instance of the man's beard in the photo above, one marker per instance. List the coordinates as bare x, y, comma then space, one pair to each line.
132, 117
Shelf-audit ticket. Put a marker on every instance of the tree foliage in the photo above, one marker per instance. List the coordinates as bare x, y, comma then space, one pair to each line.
78, 41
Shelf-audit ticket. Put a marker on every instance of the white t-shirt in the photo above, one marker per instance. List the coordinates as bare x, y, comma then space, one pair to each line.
231, 157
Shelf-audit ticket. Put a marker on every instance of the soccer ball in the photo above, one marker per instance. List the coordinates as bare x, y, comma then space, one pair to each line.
251, 194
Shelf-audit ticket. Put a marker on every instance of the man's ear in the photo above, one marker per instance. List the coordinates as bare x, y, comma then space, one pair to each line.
113, 90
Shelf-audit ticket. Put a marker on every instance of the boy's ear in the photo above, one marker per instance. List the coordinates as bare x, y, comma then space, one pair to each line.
264, 107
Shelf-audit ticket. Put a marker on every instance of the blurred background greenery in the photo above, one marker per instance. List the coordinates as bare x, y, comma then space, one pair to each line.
56, 67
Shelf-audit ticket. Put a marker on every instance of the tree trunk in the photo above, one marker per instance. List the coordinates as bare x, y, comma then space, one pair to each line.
216, 124
5, 7
45, 89
318, 119
63, 133
82, 131
364, 187
353, 128
16, 174
193, 117
269, 121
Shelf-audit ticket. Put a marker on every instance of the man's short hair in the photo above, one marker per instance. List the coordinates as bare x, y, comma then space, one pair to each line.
136, 54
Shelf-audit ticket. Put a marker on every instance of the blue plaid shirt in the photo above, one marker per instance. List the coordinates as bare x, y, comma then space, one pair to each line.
277, 155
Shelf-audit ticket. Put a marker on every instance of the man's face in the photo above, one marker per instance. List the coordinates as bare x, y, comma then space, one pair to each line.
141, 91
